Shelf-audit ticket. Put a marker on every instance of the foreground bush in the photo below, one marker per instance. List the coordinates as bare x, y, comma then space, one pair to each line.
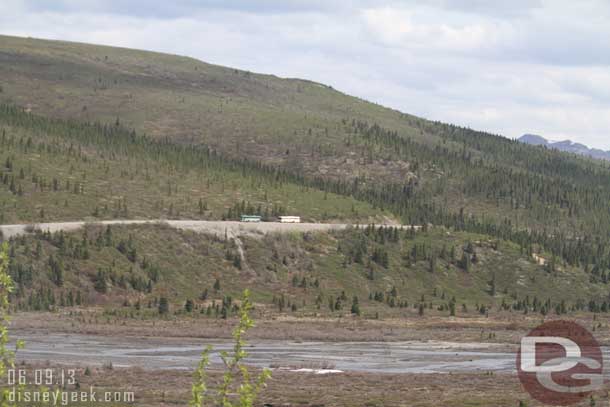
238, 388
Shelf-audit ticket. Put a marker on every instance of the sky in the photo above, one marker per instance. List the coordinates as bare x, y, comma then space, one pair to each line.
507, 67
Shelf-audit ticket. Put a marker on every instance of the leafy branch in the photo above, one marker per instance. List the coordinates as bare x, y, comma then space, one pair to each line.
7, 357
248, 387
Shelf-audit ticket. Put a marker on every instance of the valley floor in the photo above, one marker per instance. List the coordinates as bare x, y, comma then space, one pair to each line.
496, 336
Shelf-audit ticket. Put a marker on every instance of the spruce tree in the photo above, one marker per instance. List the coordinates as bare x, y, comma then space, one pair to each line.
163, 307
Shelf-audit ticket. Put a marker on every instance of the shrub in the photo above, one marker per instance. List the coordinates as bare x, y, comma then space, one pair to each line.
163, 306
246, 389
7, 357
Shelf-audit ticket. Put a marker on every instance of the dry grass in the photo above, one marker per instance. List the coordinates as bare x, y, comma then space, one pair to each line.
505, 328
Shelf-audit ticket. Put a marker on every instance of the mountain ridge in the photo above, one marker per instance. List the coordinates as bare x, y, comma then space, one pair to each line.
567, 146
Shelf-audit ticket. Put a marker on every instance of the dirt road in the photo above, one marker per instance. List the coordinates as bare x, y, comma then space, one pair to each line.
230, 227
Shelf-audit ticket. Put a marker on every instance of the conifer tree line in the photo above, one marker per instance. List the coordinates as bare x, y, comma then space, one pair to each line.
54, 255
370, 246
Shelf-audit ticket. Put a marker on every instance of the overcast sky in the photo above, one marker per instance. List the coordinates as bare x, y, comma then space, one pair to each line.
509, 67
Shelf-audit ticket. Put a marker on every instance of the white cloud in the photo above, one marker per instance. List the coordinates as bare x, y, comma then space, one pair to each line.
505, 67
399, 27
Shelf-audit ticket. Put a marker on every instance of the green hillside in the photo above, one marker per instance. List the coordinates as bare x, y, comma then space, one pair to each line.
93, 132
392, 272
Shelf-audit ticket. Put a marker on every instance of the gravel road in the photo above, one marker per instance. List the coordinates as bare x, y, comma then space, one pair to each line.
231, 227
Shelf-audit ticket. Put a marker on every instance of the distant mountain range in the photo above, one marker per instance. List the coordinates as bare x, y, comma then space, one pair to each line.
566, 145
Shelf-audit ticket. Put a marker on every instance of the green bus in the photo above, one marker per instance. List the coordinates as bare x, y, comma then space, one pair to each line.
250, 218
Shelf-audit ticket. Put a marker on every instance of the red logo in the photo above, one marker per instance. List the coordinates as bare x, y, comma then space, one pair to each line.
560, 363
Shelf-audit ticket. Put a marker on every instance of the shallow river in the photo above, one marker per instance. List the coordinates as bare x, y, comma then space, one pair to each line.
172, 353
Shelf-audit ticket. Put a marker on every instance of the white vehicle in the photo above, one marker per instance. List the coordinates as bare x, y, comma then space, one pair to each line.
290, 219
